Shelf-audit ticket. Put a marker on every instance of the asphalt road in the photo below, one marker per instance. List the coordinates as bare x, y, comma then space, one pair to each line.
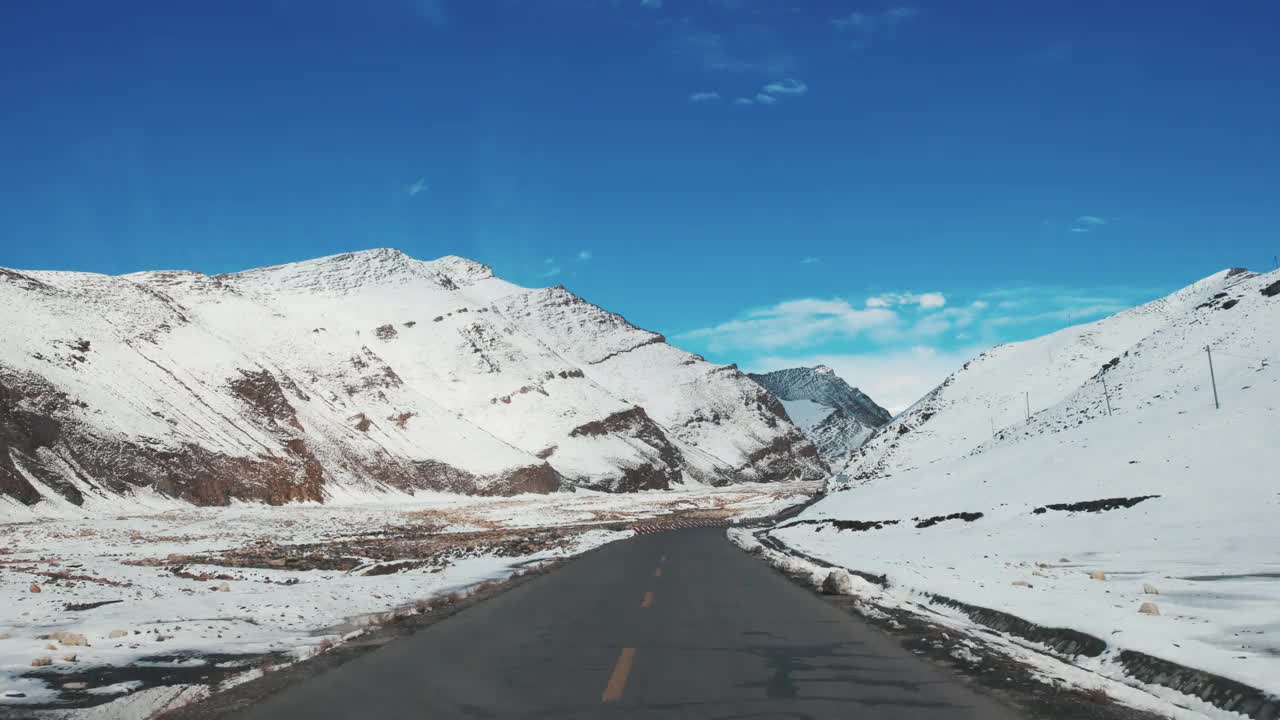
671, 625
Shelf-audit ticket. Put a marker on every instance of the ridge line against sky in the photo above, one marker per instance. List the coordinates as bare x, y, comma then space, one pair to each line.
765, 182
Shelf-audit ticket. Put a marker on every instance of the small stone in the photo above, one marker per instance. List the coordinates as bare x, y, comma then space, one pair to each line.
74, 686
69, 658
1064, 559
69, 638
5, 636
1149, 608
42, 662
35, 588
1097, 575
838, 582
1020, 583
14, 694
222, 588
118, 634
1149, 589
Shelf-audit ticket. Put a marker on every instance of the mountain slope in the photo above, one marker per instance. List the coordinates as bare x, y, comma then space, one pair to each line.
1170, 498
838, 418
992, 393
364, 372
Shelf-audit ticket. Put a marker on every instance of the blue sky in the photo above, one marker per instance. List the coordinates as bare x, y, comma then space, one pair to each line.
883, 186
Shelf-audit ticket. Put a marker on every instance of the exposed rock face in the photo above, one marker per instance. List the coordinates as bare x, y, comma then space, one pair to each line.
264, 386
837, 417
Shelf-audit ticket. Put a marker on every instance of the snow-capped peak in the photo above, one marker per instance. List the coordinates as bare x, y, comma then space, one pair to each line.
837, 417
334, 274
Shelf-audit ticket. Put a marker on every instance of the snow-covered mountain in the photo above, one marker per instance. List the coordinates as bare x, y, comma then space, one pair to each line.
369, 371
1150, 356
1126, 485
837, 417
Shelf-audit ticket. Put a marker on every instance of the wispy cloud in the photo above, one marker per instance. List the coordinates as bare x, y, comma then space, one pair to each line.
899, 345
786, 86
418, 186
1087, 223
745, 48
927, 300
699, 97
651, 4
866, 24
771, 92
550, 268
793, 323
584, 255
808, 260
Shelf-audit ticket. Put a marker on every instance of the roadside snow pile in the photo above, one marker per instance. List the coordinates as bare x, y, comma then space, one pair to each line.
1152, 528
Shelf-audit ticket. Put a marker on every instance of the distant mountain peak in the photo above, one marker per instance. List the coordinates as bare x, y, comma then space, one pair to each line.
837, 417
347, 272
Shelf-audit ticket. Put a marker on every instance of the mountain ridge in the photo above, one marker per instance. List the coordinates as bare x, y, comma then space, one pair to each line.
836, 416
360, 372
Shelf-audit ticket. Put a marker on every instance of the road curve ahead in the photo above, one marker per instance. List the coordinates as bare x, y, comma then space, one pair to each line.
671, 625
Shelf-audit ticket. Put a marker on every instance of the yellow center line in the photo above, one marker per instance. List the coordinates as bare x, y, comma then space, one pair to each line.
648, 599
618, 680
657, 573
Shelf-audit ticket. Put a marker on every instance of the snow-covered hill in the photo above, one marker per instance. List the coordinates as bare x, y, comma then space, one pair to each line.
838, 418
1151, 356
369, 371
1172, 501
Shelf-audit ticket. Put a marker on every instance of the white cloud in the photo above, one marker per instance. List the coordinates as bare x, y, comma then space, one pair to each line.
808, 260
704, 96
793, 323
786, 86
651, 4
418, 186
926, 301
744, 101
895, 379
867, 24
853, 20
751, 48
584, 255
550, 268
1087, 223
765, 99
900, 13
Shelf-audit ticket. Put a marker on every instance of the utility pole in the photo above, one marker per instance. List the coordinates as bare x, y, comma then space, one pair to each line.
993, 428
1107, 393
1212, 379
1028, 396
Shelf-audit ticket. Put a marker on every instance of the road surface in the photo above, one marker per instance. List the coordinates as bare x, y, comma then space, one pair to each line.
679, 624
